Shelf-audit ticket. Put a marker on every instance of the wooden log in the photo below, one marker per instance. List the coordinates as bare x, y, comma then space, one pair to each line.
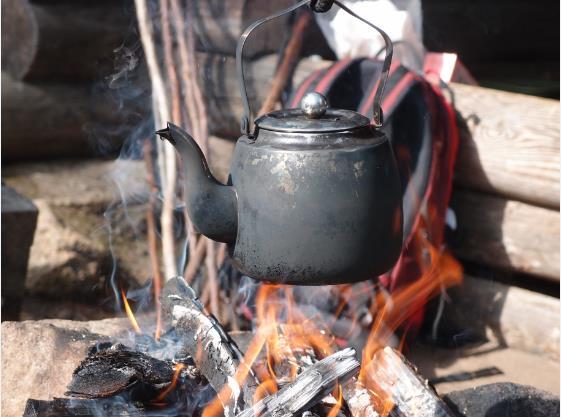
395, 381
510, 145
506, 315
215, 354
62, 40
41, 121
506, 234
309, 387
219, 24
76, 40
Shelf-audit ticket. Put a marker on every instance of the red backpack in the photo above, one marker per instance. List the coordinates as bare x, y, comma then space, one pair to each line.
422, 127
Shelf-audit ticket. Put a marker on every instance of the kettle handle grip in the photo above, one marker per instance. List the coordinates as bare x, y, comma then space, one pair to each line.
320, 7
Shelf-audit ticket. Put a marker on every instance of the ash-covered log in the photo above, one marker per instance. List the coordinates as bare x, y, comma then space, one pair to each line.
309, 388
214, 352
394, 380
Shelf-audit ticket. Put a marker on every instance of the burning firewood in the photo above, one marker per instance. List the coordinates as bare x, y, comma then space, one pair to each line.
216, 355
392, 378
309, 388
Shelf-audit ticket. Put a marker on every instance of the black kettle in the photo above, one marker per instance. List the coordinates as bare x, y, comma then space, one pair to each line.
314, 195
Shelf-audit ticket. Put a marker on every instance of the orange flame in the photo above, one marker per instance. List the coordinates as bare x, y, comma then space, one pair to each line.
338, 394
286, 334
130, 314
177, 370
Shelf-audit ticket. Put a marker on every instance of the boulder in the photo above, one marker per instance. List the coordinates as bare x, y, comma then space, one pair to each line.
38, 357
91, 218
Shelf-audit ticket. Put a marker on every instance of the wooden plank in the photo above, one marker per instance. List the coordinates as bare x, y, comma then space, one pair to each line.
506, 234
510, 146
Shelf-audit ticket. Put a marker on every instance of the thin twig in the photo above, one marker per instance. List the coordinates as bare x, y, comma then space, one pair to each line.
212, 277
195, 259
290, 56
152, 241
175, 91
166, 152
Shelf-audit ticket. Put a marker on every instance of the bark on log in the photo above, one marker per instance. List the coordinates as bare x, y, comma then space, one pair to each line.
42, 121
506, 234
512, 148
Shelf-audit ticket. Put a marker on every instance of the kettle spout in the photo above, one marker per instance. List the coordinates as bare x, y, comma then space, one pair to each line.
212, 206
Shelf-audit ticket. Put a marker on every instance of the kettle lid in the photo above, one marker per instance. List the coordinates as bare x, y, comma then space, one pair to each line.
313, 116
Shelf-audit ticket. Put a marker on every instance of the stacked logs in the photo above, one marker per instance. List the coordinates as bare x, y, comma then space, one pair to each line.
73, 73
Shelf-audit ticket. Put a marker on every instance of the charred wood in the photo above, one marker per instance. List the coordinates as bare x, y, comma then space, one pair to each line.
117, 368
67, 407
309, 388
394, 380
214, 352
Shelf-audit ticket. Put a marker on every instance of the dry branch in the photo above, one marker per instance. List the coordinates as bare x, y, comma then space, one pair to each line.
310, 387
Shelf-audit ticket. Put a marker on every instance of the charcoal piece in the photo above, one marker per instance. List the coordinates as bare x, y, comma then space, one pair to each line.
503, 399
65, 407
116, 369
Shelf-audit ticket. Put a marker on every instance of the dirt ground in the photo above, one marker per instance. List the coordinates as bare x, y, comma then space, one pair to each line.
455, 369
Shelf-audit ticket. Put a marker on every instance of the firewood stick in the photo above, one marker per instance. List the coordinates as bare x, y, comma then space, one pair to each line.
309, 388
287, 65
195, 259
216, 355
166, 152
391, 377
151, 231
212, 277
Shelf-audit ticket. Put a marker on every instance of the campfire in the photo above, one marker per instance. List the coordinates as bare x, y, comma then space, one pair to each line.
292, 285
297, 358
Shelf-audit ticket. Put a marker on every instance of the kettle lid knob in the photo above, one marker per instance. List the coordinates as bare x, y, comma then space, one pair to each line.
314, 105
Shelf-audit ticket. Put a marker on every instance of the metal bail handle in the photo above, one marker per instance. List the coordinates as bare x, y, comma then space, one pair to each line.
318, 6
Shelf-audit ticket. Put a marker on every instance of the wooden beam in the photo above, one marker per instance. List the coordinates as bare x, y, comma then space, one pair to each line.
510, 144
506, 234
